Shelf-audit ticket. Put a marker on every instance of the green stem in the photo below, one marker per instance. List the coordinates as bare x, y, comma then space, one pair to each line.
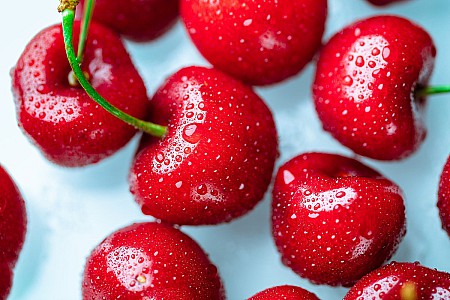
87, 16
67, 25
433, 90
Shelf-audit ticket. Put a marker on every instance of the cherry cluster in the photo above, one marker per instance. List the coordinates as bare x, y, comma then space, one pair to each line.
209, 144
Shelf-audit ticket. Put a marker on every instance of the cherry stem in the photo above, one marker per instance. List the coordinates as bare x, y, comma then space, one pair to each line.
68, 14
87, 16
433, 90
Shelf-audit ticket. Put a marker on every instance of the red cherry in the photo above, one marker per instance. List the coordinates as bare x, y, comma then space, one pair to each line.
402, 281
444, 197
6, 276
137, 20
260, 42
150, 261
216, 160
334, 219
284, 292
384, 2
365, 82
61, 120
13, 223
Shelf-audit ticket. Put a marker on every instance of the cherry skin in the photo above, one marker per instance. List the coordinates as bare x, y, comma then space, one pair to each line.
259, 42
284, 292
402, 281
137, 20
444, 197
384, 2
334, 219
6, 276
364, 88
67, 126
216, 160
13, 223
150, 261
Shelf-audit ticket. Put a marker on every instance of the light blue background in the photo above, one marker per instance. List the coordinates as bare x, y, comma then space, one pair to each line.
71, 211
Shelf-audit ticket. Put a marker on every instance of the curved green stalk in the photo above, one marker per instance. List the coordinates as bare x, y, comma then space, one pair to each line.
433, 90
67, 25
87, 16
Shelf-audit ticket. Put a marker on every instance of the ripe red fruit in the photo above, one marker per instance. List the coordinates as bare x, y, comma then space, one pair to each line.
334, 219
284, 292
6, 276
150, 261
383, 2
402, 281
444, 197
216, 160
13, 222
137, 20
61, 120
259, 42
365, 84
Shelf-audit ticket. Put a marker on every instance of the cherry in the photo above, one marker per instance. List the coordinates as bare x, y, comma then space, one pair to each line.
60, 118
284, 292
216, 160
137, 20
150, 261
402, 281
384, 2
444, 197
367, 86
259, 42
13, 223
334, 219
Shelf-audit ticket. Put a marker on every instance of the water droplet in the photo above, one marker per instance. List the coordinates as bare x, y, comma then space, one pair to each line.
375, 51
348, 80
41, 88
189, 114
190, 134
386, 52
160, 157
359, 61
42, 115
202, 189
372, 64
340, 194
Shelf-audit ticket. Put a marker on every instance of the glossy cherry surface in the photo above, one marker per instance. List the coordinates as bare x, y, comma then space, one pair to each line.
334, 219
150, 261
137, 20
13, 225
67, 126
216, 160
444, 197
259, 42
402, 281
365, 83
284, 292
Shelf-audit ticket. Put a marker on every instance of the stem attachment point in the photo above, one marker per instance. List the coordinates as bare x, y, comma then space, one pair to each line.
67, 4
